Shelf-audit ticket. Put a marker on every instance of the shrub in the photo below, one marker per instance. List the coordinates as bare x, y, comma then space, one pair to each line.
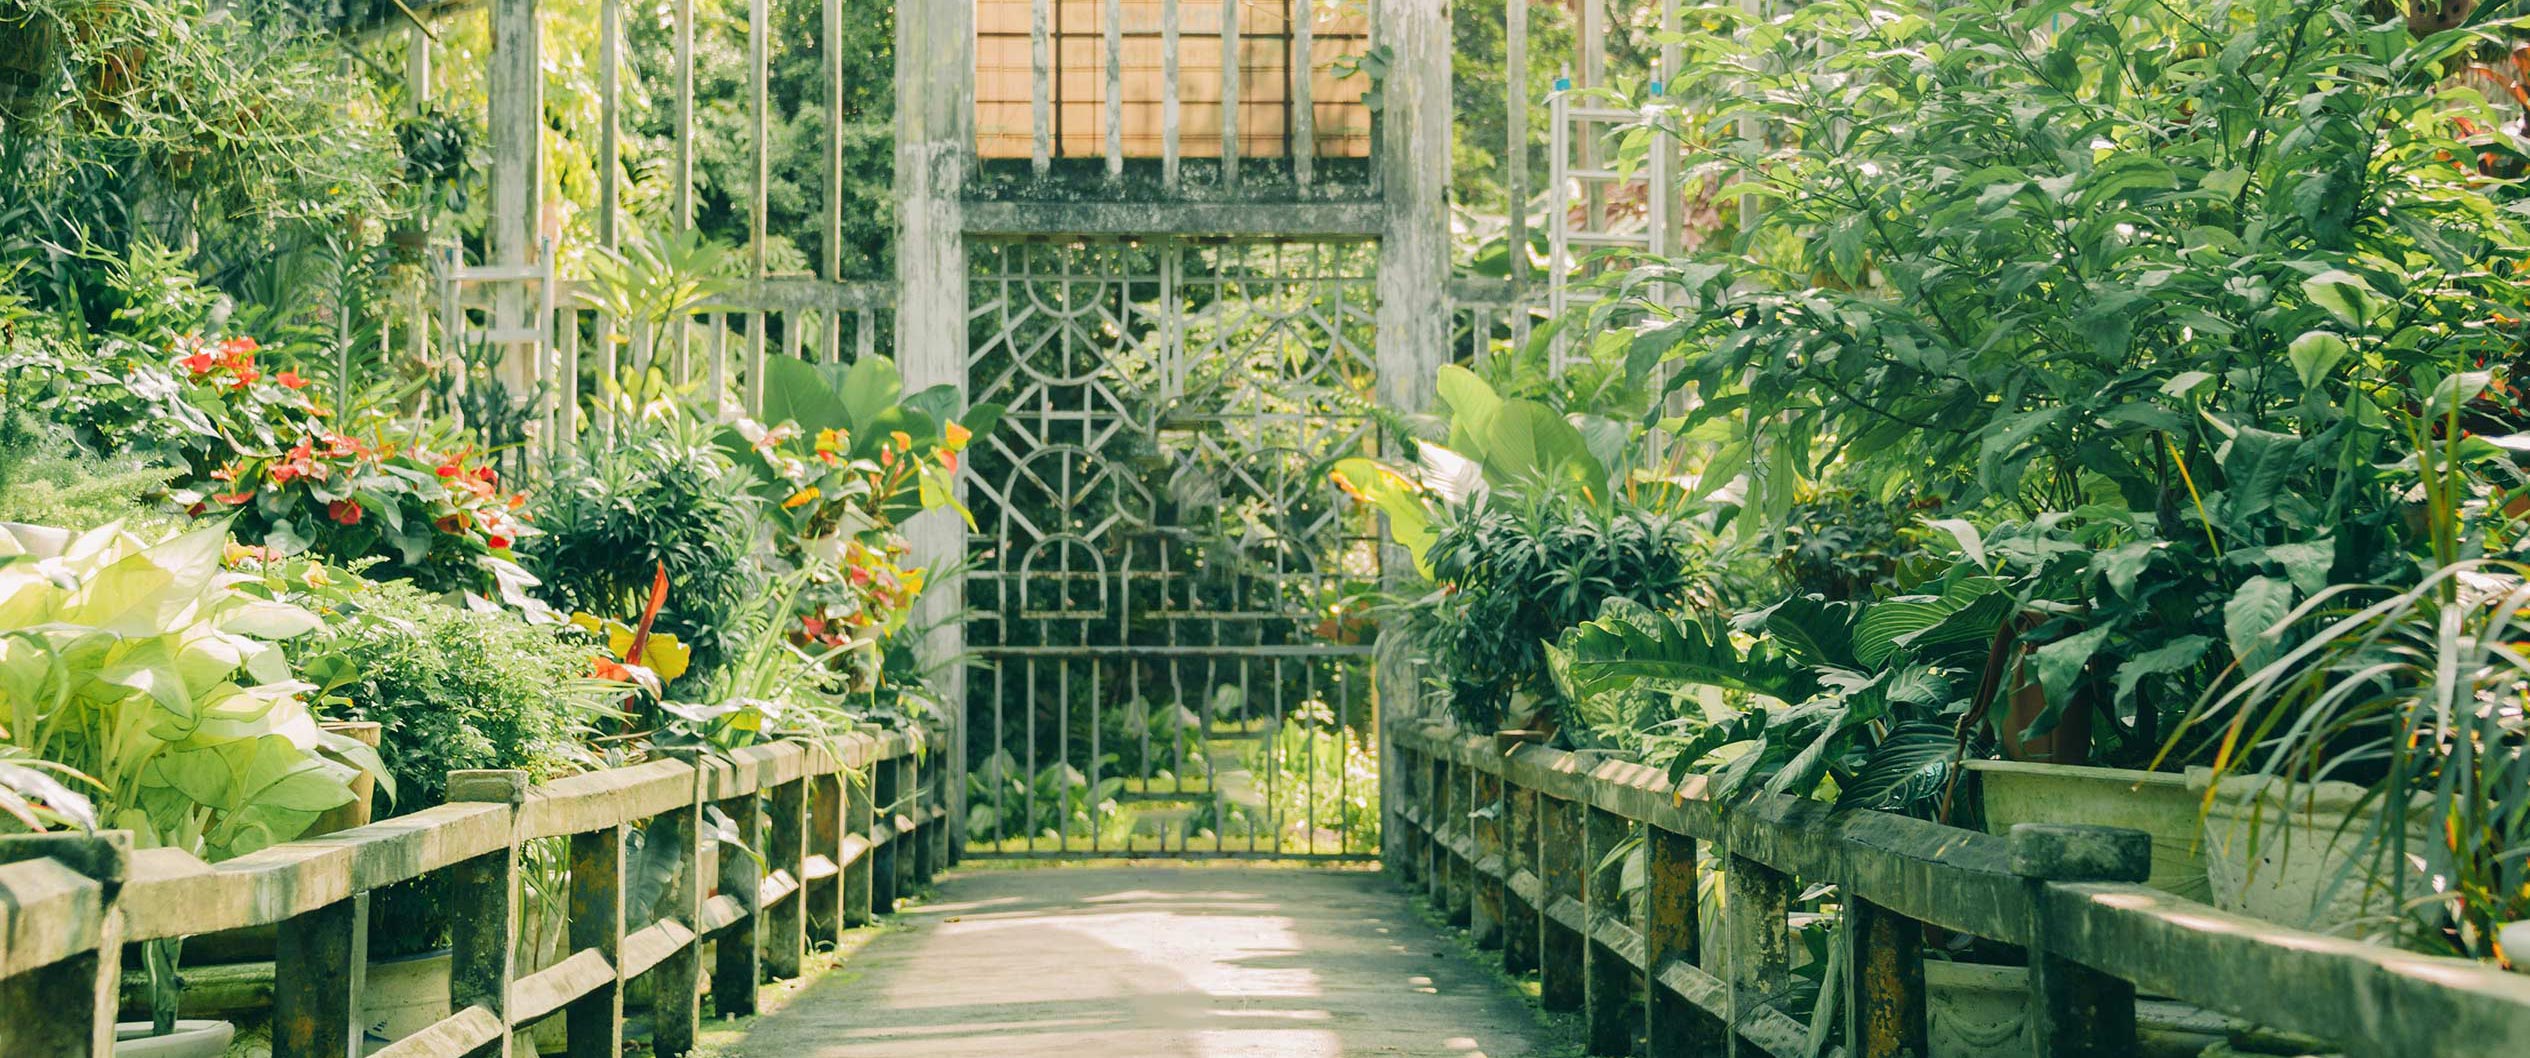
452, 688
1513, 577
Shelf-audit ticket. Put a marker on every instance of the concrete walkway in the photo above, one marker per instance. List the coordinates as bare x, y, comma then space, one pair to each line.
1155, 962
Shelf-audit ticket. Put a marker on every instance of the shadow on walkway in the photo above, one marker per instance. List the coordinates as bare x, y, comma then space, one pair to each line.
1155, 962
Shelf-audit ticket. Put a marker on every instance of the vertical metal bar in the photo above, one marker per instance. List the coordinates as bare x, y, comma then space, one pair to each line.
1040, 153
1515, 48
1115, 89
596, 1021
1302, 67
1608, 979
683, 177
610, 99
1229, 93
1168, 94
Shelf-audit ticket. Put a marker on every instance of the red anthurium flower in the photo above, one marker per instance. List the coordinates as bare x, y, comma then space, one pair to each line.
448, 470
344, 511
497, 542
198, 363
233, 498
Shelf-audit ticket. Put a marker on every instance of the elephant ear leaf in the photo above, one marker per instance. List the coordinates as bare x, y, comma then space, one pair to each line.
797, 391
1629, 643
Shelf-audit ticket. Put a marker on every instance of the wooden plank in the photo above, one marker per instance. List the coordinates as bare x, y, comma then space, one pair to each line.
602, 799
315, 958
653, 944
756, 768
54, 890
677, 982
1672, 932
483, 941
786, 849
172, 894
1886, 1003
1560, 868
51, 913
1757, 924
455, 1036
719, 913
738, 954
595, 1020
546, 991
1607, 977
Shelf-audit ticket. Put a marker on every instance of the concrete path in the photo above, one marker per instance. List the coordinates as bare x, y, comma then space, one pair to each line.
1155, 962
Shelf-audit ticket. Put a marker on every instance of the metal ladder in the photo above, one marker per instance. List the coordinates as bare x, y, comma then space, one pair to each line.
1581, 180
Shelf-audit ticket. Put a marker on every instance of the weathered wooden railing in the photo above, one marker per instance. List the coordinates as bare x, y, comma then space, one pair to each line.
827, 835
1515, 843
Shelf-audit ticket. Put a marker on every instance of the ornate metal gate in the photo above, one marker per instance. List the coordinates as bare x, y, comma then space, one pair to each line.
1167, 590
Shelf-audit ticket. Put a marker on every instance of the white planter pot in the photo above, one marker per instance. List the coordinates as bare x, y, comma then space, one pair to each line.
399, 997
2300, 856
191, 1039
2157, 803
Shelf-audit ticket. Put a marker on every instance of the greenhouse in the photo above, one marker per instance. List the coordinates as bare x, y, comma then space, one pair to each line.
1264, 529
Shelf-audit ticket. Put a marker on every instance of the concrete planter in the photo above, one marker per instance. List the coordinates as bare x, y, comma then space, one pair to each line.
2156, 803
399, 997
2302, 855
191, 1039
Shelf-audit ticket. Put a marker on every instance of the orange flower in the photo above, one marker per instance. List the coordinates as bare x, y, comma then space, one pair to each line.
234, 498
198, 363
290, 379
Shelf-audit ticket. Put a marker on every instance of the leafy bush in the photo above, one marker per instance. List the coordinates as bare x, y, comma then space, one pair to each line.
453, 688
1513, 577
662, 496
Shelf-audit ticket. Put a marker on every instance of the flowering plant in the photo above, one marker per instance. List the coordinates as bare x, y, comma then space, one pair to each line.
254, 444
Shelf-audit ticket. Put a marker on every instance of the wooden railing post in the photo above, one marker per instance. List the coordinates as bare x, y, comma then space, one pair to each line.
483, 933
2076, 1011
1886, 1002
1412, 840
1560, 867
824, 898
858, 820
314, 960
908, 803
1757, 926
1433, 777
926, 860
595, 1022
1608, 978
77, 995
1484, 909
884, 788
1457, 890
1519, 917
676, 1014
738, 958
1672, 932
786, 849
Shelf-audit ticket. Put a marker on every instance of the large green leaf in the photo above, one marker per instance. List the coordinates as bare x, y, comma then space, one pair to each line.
1629, 642
1908, 768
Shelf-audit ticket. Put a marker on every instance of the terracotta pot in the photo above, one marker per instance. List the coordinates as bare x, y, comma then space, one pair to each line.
2068, 743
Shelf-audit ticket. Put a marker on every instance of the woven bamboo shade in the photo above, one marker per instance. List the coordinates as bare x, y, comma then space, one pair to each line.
1077, 84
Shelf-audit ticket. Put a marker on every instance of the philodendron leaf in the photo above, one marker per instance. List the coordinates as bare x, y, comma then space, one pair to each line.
2251, 613
2315, 354
1630, 643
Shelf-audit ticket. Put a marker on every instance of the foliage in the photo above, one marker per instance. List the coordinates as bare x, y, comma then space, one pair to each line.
452, 688
661, 495
144, 668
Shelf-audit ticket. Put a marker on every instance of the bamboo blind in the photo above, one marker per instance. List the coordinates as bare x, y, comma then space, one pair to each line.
1078, 83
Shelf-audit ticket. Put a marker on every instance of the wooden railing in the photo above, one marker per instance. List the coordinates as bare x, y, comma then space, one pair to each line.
1518, 842
827, 835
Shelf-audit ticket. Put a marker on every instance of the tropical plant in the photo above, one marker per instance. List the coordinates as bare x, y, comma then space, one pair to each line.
144, 668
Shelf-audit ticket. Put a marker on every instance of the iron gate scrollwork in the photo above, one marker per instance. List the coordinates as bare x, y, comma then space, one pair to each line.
1166, 587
